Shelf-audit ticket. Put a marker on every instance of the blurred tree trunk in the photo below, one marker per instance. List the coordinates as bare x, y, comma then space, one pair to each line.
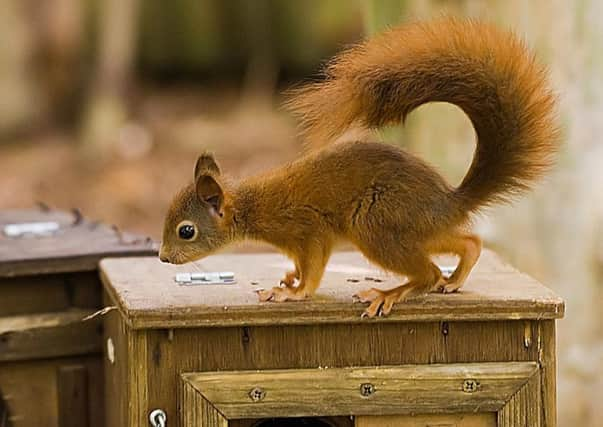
18, 105
107, 109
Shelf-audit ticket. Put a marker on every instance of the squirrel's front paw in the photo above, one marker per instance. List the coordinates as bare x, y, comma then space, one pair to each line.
278, 294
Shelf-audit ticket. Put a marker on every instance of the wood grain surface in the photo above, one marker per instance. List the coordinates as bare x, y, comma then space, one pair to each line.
145, 291
77, 246
395, 390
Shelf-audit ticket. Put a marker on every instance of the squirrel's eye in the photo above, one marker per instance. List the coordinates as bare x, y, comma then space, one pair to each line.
186, 232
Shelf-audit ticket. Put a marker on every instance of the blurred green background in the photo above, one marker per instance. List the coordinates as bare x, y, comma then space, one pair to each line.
105, 105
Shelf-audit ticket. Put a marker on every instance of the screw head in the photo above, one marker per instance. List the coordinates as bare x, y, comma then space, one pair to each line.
256, 394
367, 389
470, 385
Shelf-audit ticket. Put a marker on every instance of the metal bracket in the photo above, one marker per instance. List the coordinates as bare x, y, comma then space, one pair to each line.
217, 278
31, 228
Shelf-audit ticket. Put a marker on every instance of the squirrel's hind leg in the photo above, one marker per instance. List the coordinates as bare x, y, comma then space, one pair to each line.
467, 247
423, 276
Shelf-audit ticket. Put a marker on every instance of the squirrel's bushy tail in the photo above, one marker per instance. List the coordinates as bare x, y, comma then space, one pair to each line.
486, 72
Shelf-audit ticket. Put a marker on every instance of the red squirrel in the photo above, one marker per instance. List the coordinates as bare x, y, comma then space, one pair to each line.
396, 209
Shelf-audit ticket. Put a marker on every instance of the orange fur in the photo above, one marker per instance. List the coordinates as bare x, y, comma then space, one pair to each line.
394, 207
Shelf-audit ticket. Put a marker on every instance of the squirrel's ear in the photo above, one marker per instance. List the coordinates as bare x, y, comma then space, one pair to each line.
206, 165
210, 191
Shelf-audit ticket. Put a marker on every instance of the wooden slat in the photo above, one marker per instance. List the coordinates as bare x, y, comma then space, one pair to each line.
39, 336
398, 390
494, 291
524, 407
72, 389
31, 391
448, 420
3, 413
76, 247
548, 364
310, 346
48, 293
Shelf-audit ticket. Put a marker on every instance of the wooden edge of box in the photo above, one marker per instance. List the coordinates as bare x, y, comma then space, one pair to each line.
67, 264
311, 313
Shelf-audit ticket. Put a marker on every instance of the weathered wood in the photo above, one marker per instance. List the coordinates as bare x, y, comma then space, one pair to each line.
197, 411
547, 346
163, 330
448, 420
47, 293
77, 246
494, 291
116, 369
3, 413
306, 421
337, 391
31, 391
137, 380
40, 336
168, 354
72, 384
524, 408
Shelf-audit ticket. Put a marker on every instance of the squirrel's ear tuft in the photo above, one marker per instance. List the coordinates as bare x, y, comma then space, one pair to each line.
206, 165
210, 191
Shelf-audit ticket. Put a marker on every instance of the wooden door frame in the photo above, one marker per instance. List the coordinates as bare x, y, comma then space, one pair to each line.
510, 389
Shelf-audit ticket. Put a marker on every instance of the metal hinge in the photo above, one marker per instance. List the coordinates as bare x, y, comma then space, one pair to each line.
31, 228
218, 278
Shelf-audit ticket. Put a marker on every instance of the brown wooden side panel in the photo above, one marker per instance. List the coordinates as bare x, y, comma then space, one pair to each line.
368, 344
30, 390
47, 335
48, 293
198, 411
72, 386
548, 363
524, 408
116, 366
452, 420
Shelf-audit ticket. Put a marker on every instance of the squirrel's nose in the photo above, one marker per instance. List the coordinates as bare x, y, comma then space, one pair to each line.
163, 256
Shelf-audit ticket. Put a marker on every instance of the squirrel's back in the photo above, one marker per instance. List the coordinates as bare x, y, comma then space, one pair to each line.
486, 72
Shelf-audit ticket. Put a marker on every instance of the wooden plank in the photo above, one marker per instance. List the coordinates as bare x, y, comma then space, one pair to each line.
72, 383
137, 380
524, 408
39, 336
547, 348
31, 391
494, 291
448, 420
3, 413
333, 345
116, 370
53, 292
338, 391
77, 246
301, 422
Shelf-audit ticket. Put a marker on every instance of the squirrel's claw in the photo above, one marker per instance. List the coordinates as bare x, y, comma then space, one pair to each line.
278, 294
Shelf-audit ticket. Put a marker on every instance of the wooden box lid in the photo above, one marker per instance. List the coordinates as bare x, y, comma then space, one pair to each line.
77, 245
147, 295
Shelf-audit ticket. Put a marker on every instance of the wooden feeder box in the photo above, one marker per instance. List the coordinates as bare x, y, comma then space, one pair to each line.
212, 355
50, 357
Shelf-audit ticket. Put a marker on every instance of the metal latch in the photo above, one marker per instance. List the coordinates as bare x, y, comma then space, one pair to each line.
31, 228
218, 278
